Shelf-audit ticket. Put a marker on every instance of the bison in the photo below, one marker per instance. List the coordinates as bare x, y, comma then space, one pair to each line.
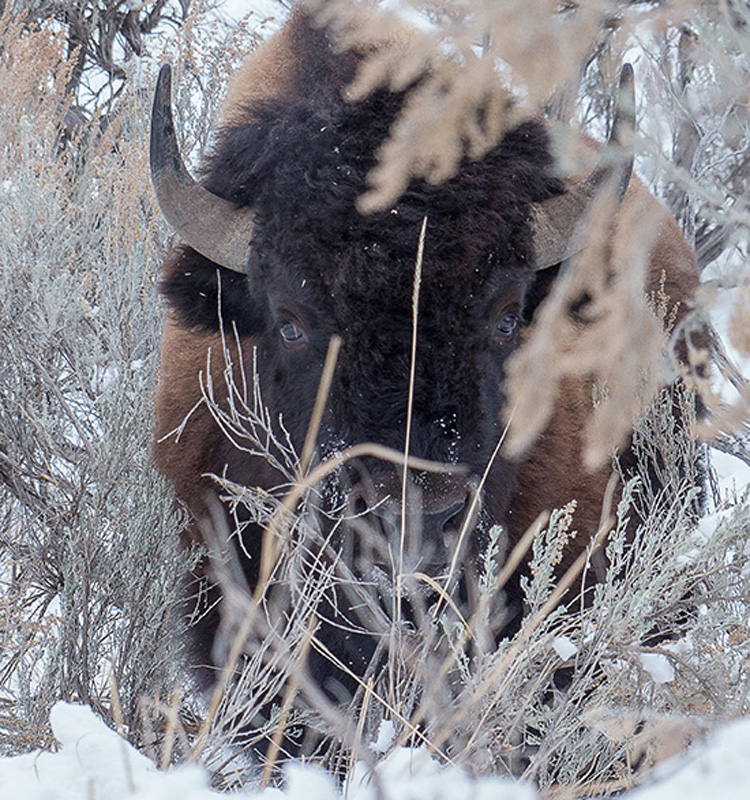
275, 261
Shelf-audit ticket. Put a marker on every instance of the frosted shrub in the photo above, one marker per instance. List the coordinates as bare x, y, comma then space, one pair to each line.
89, 566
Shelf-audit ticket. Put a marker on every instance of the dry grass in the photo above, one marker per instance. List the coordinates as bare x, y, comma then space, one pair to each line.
446, 682
618, 347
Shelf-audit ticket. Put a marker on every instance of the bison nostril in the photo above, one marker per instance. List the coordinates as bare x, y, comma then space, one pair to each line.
449, 520
389, 518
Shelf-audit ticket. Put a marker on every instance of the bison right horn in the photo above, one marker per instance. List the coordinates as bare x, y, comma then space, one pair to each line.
556, 221
213, 226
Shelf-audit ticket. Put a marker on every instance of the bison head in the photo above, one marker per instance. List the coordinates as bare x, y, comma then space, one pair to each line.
277, 252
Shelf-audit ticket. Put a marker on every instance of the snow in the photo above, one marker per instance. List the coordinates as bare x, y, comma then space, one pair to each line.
708, 524
263, 11
386, 736
720, 770
732, 474
564, 647
411, 774
95, 763
658, 667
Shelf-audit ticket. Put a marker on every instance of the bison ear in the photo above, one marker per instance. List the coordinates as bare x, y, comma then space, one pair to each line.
204, 296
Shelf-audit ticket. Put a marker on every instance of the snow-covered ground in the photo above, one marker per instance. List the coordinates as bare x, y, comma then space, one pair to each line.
94, 763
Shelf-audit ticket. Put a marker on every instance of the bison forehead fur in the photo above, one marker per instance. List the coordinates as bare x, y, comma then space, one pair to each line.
296, 154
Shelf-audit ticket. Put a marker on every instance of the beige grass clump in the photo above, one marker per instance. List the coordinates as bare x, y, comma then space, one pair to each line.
615, 344
480, 70
462, 104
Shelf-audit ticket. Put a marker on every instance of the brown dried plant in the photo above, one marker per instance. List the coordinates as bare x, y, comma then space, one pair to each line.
614, 341
474, 73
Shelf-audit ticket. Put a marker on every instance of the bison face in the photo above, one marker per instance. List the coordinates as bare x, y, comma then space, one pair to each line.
317, 269
295, 299
469, 321
278, 207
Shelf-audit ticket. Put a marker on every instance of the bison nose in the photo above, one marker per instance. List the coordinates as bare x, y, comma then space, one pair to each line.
430, 537
432, 524
448, 520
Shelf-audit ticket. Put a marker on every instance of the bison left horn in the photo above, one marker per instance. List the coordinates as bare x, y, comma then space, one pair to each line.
213, 226
557, 220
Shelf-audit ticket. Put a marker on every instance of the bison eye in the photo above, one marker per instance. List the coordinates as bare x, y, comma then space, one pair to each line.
292, 333
507, 325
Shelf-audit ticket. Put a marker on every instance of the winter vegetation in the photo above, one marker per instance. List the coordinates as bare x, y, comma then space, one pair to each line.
587, 698
93, 761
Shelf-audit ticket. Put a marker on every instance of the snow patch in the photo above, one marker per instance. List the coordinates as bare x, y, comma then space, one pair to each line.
720, 769
94, 761
386, 736
411, 774
658, 667
732, 474
564, 647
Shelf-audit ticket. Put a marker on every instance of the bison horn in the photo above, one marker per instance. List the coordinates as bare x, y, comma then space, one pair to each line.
556, 221
213, 226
